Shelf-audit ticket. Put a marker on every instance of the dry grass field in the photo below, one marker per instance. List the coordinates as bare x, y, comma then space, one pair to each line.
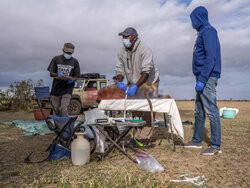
229, 169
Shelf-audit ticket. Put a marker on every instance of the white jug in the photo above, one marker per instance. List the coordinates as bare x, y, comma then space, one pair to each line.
80, 150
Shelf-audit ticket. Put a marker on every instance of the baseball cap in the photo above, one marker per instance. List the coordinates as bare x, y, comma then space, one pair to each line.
68, 47
129, 31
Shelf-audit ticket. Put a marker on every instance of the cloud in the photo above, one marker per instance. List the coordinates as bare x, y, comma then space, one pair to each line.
32, 32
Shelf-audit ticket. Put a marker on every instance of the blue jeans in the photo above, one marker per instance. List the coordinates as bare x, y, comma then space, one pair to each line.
206, 103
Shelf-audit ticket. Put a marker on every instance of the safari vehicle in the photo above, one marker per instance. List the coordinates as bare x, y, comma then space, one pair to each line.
86, 91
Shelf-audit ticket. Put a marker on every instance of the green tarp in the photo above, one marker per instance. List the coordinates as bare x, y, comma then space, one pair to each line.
31, 127
40, 127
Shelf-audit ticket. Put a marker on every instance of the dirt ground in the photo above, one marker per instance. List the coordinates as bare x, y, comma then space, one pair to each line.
229, 169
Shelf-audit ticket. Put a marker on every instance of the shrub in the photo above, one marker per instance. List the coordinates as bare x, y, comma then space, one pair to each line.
19, 95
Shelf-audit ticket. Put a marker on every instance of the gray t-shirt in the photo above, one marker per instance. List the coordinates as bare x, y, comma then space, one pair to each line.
133, 63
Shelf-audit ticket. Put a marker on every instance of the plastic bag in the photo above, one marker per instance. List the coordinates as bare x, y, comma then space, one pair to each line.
148, 163
101, 144
91, 117
94, 114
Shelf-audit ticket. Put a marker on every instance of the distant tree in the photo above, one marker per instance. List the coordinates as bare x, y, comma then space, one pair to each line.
19, 95
40, 83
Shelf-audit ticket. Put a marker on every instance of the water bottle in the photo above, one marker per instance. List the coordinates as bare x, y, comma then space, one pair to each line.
80, 150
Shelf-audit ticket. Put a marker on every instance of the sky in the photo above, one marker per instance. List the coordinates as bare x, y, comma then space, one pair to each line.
33, 32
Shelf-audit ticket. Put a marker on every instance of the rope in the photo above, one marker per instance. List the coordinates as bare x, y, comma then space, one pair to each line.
151, 111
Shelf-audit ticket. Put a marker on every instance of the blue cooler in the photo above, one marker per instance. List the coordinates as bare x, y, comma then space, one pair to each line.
229, 114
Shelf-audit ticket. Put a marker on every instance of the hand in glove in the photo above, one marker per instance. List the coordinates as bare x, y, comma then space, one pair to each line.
199, 86
70, 81
60, 74
121, 85
132, 90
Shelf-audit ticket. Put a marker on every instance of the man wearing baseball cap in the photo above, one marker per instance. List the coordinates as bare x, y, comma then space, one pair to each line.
135, 61
59, 67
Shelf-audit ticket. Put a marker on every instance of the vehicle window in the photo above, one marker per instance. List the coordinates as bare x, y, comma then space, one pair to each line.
79, 83
103, 84
92, 84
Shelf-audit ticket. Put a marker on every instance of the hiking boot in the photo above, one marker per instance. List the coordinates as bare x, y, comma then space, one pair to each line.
211, 151
191, 144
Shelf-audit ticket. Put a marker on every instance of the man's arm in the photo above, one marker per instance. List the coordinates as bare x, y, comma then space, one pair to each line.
52, 68
120, 77
143, 79
53, 75
147, 63
210, 46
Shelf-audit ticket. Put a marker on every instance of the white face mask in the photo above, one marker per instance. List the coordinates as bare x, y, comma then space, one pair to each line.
126, 43
67, 56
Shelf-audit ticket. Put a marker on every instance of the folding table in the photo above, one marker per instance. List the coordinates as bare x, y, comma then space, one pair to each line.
166, 106
115, 143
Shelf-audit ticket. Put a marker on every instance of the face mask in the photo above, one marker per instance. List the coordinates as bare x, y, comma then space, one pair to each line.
67, 56
126, 43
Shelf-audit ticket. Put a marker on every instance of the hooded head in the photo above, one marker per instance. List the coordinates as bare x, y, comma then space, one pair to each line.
199, 17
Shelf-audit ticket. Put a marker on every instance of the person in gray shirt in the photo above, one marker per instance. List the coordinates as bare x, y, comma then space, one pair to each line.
135, 61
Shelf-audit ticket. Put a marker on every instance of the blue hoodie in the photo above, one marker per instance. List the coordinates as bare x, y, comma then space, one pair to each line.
206, 55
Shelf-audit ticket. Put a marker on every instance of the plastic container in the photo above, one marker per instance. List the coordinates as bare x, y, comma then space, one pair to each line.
137, 121
80, 150
229, 114
38, 115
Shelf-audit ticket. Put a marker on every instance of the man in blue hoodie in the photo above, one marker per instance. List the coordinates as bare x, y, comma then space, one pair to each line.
207, 69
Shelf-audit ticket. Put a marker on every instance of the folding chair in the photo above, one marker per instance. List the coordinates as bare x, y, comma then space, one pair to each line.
63, 127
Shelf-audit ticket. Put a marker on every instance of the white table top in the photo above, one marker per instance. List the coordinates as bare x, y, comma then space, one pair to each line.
159, 105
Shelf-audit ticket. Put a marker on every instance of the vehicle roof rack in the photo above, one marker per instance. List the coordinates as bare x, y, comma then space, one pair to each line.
92, 76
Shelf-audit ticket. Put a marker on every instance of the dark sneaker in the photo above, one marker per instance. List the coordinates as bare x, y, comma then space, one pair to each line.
211, 151
191, 144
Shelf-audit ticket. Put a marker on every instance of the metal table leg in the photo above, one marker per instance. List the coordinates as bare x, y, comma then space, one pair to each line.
118, 140
115, 143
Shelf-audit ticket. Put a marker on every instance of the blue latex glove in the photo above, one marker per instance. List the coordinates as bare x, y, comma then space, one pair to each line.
199, 86
132, 90
60, 74
70, 81
121, 85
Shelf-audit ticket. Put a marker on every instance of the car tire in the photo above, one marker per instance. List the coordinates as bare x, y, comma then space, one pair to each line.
75, 107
